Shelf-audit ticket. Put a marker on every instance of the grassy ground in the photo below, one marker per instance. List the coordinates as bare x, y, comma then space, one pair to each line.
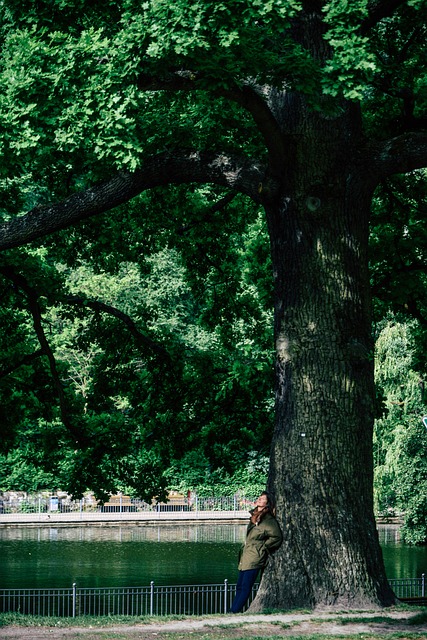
395, 624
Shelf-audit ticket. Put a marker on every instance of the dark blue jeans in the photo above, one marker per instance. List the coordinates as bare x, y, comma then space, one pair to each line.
245, 583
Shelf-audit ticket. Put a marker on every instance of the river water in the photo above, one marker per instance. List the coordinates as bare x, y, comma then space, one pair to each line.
134, 555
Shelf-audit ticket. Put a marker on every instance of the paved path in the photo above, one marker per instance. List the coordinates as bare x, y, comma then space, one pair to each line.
376, 623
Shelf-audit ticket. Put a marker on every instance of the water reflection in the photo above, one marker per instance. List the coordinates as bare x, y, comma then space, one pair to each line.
389, 534
401, 561
130, 533
133, 555
122, 556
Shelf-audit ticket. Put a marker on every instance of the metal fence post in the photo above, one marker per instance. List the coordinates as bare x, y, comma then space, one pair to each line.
151, 598
74, 601
225, 595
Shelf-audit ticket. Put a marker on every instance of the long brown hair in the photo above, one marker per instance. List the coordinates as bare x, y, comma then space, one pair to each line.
271, 505
257, 516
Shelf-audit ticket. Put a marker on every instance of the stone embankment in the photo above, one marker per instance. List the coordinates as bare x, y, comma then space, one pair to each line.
146, 517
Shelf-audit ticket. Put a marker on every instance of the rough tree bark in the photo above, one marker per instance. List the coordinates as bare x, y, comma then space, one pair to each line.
321, 469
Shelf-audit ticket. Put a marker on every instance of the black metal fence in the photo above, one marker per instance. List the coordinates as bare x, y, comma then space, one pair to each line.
411, 590
129, 601
151, 600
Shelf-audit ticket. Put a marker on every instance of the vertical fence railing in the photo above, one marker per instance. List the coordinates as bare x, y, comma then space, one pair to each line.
409, 588
151, 600
130, 601
74, 600
225, 603
38, 602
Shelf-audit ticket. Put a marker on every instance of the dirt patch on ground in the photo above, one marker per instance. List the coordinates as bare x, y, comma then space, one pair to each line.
368, 625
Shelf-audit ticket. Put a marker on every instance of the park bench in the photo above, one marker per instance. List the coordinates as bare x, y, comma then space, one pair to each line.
118, 504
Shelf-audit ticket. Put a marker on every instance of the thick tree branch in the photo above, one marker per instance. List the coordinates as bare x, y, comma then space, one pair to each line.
140, 338
379, 9
239, 174
34, 307
250, 99
407, 120
389, 278
415, 310
249, 96
25, 360
402, 154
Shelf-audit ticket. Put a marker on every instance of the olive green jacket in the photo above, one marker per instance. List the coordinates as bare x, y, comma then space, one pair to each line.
261, 540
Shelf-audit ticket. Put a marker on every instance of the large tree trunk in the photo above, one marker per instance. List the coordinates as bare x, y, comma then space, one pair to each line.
321, 464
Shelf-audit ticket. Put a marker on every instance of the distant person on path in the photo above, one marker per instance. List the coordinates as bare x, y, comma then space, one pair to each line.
263, 536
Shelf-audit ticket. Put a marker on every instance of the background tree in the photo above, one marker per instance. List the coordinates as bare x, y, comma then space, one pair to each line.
398, 254
400, 437
102, 332
302, 107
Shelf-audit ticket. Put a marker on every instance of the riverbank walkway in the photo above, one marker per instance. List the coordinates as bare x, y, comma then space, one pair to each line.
146, 517
19, 508
117, 518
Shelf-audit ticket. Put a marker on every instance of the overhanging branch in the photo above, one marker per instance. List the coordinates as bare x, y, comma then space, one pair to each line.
139, 337
379, 9
402, 154
248, 95
34, 308
239, 174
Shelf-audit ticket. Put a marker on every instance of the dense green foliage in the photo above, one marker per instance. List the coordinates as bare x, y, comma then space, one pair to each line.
398, 255
191, 374
136, 345
398, 259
